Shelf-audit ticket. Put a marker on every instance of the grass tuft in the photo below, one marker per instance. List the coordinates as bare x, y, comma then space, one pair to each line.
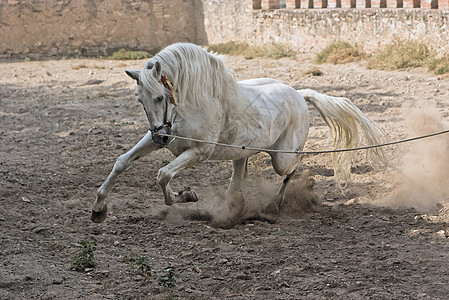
339, 52
439, 66
314, 71
400, 55
275, 51
123, 54
168, 280
230, 48
139, 261
84, 257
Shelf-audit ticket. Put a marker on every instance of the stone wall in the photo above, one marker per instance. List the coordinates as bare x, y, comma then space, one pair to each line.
37, 28
311, 29
96, 27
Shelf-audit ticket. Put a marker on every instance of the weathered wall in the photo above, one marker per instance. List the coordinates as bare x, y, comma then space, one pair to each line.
95, 27
311, 29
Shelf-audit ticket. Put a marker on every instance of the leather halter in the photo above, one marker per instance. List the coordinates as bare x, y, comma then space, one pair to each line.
169, 87
171, 97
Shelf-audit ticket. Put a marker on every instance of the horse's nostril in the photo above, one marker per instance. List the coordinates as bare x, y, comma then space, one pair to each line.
165, 139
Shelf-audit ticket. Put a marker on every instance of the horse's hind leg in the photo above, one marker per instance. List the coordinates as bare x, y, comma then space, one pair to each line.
233, 209
279, 197
143, 147
239, 171
283, 164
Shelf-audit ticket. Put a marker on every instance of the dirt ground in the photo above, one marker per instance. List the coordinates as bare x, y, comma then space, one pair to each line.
64, 123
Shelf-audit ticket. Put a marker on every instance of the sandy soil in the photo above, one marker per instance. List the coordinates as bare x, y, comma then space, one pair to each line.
64, 123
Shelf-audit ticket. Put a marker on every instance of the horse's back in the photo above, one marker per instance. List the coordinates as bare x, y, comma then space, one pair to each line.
274, 91
259, 81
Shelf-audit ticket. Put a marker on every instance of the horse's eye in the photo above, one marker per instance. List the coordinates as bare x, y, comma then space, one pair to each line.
159, 99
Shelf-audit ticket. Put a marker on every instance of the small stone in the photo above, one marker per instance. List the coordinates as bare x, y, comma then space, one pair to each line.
57, 281
139, 278
441, 233
421, 295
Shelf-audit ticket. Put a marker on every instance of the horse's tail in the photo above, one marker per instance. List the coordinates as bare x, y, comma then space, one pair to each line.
344, 120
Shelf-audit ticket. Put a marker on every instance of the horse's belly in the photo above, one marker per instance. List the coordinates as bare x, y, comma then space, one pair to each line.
229, 153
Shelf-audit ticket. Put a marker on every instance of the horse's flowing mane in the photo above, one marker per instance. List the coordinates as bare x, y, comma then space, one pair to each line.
201, 80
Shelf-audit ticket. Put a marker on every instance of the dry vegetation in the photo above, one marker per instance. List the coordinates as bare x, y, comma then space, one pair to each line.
339, 52
275, 51
399, 54
123, 54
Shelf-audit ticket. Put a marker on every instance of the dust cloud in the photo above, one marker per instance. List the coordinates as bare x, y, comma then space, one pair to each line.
227, 210
422, 179
300, 197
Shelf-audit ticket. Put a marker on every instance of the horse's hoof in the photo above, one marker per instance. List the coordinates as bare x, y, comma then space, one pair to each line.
186, 196
269, 218
99, 216
272, 209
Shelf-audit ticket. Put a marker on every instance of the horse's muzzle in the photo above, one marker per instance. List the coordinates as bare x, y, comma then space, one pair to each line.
158, 136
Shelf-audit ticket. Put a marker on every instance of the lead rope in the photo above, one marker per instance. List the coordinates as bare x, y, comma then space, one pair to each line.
303, 152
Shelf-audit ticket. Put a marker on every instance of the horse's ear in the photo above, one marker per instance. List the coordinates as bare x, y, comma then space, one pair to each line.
134, 74
157, 69
149, 65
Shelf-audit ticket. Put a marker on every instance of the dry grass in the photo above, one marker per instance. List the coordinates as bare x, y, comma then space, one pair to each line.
314, 71
123, 54
85, 66
275, 51
339, 52
439, 66
401, 55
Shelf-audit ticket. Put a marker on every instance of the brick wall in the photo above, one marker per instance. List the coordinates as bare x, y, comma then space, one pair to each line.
426, 4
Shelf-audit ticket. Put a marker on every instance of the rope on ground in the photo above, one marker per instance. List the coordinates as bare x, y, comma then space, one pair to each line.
304, 152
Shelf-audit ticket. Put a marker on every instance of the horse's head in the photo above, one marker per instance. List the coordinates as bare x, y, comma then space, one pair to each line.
156, 95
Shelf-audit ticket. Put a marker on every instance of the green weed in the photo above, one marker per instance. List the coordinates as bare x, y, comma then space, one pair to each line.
168, 280
84, 257
139, 261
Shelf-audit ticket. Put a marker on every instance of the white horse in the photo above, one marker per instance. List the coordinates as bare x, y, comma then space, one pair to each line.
188, 92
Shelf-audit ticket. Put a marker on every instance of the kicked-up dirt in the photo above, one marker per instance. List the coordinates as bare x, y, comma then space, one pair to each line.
64, 123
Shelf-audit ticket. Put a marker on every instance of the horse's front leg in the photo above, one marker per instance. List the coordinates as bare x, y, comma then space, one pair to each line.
183, 161
142, 148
